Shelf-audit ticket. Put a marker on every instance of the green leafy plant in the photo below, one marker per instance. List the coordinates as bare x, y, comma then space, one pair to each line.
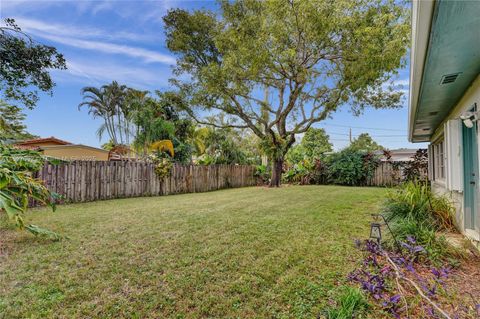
351, 304
298, 173
262, 173
415, 201
435, 244
413, 210
18, 187
351, 167
163, 166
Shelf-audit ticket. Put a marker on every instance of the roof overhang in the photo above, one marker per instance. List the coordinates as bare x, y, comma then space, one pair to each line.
50, 139
444, 61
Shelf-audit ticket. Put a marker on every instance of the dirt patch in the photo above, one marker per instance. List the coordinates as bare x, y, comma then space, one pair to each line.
464, 282
5, 243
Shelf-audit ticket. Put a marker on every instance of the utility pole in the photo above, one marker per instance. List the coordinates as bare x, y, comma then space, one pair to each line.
350, 135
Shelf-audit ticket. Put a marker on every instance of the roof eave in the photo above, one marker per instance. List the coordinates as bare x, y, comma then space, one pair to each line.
422, 12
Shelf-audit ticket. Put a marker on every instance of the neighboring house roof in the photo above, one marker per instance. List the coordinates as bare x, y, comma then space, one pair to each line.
444, 61
399, 155
37, 142
52, 143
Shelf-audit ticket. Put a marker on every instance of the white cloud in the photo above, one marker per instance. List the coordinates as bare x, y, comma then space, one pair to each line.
112, 48
75, 37
95, 74
77, 31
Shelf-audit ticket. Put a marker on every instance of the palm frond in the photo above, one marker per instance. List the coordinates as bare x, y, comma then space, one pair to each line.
163, 146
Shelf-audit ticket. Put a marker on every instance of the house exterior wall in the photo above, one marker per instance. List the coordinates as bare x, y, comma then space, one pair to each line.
76, 153
46, 143
471, 96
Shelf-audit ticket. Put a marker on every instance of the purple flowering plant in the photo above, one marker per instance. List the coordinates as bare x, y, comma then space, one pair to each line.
379, 279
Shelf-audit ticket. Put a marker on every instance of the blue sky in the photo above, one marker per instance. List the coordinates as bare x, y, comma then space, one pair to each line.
124, 41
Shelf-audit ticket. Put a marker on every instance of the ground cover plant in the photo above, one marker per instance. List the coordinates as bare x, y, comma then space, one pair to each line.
405, 284
407, 277
241, 253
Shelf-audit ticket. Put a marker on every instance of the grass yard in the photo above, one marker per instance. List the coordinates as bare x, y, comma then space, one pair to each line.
238, 253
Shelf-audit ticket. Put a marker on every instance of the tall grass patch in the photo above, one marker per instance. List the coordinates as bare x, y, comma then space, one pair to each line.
414, 210
351, 304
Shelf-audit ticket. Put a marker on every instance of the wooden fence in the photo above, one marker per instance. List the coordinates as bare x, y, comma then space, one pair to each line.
82, 181
387, 175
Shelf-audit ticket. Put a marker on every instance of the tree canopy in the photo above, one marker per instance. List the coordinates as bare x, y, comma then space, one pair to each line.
12, 126
364, 142
308, 57
25, 65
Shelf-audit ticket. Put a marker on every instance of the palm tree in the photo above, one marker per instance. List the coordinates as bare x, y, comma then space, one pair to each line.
135, 101
198, 139
108, 103
98, 103
117, 97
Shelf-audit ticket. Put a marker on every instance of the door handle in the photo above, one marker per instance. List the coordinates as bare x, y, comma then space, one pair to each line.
472, 183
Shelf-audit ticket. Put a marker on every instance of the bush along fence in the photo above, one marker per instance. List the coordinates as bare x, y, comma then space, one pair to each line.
82, 181
356, 168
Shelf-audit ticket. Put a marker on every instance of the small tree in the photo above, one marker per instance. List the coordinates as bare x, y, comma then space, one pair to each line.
316, 142
364, 142
278, 67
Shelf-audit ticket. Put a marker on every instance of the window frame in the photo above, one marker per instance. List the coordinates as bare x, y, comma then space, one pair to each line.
439, 160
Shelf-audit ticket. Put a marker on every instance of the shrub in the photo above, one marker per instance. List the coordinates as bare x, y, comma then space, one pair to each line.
306, 172
415, 201
414, 211
163, 165
262, 173
410, 201
298, 173
417, 168
351, 167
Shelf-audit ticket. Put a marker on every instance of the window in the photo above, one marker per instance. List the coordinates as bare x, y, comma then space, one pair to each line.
439, 161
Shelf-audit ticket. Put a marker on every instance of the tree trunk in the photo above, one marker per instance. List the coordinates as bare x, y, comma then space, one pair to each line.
277, 166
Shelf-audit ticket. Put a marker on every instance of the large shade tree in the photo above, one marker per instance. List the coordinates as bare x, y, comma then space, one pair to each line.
25, 65
278, 67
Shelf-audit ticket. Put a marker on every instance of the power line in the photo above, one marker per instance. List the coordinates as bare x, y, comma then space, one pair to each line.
347, 134
365, 128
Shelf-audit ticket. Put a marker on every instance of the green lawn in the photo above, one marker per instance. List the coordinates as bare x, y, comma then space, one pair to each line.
239, 253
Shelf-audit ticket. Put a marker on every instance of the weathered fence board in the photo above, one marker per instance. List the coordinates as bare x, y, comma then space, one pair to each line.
83, 181
387, 174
